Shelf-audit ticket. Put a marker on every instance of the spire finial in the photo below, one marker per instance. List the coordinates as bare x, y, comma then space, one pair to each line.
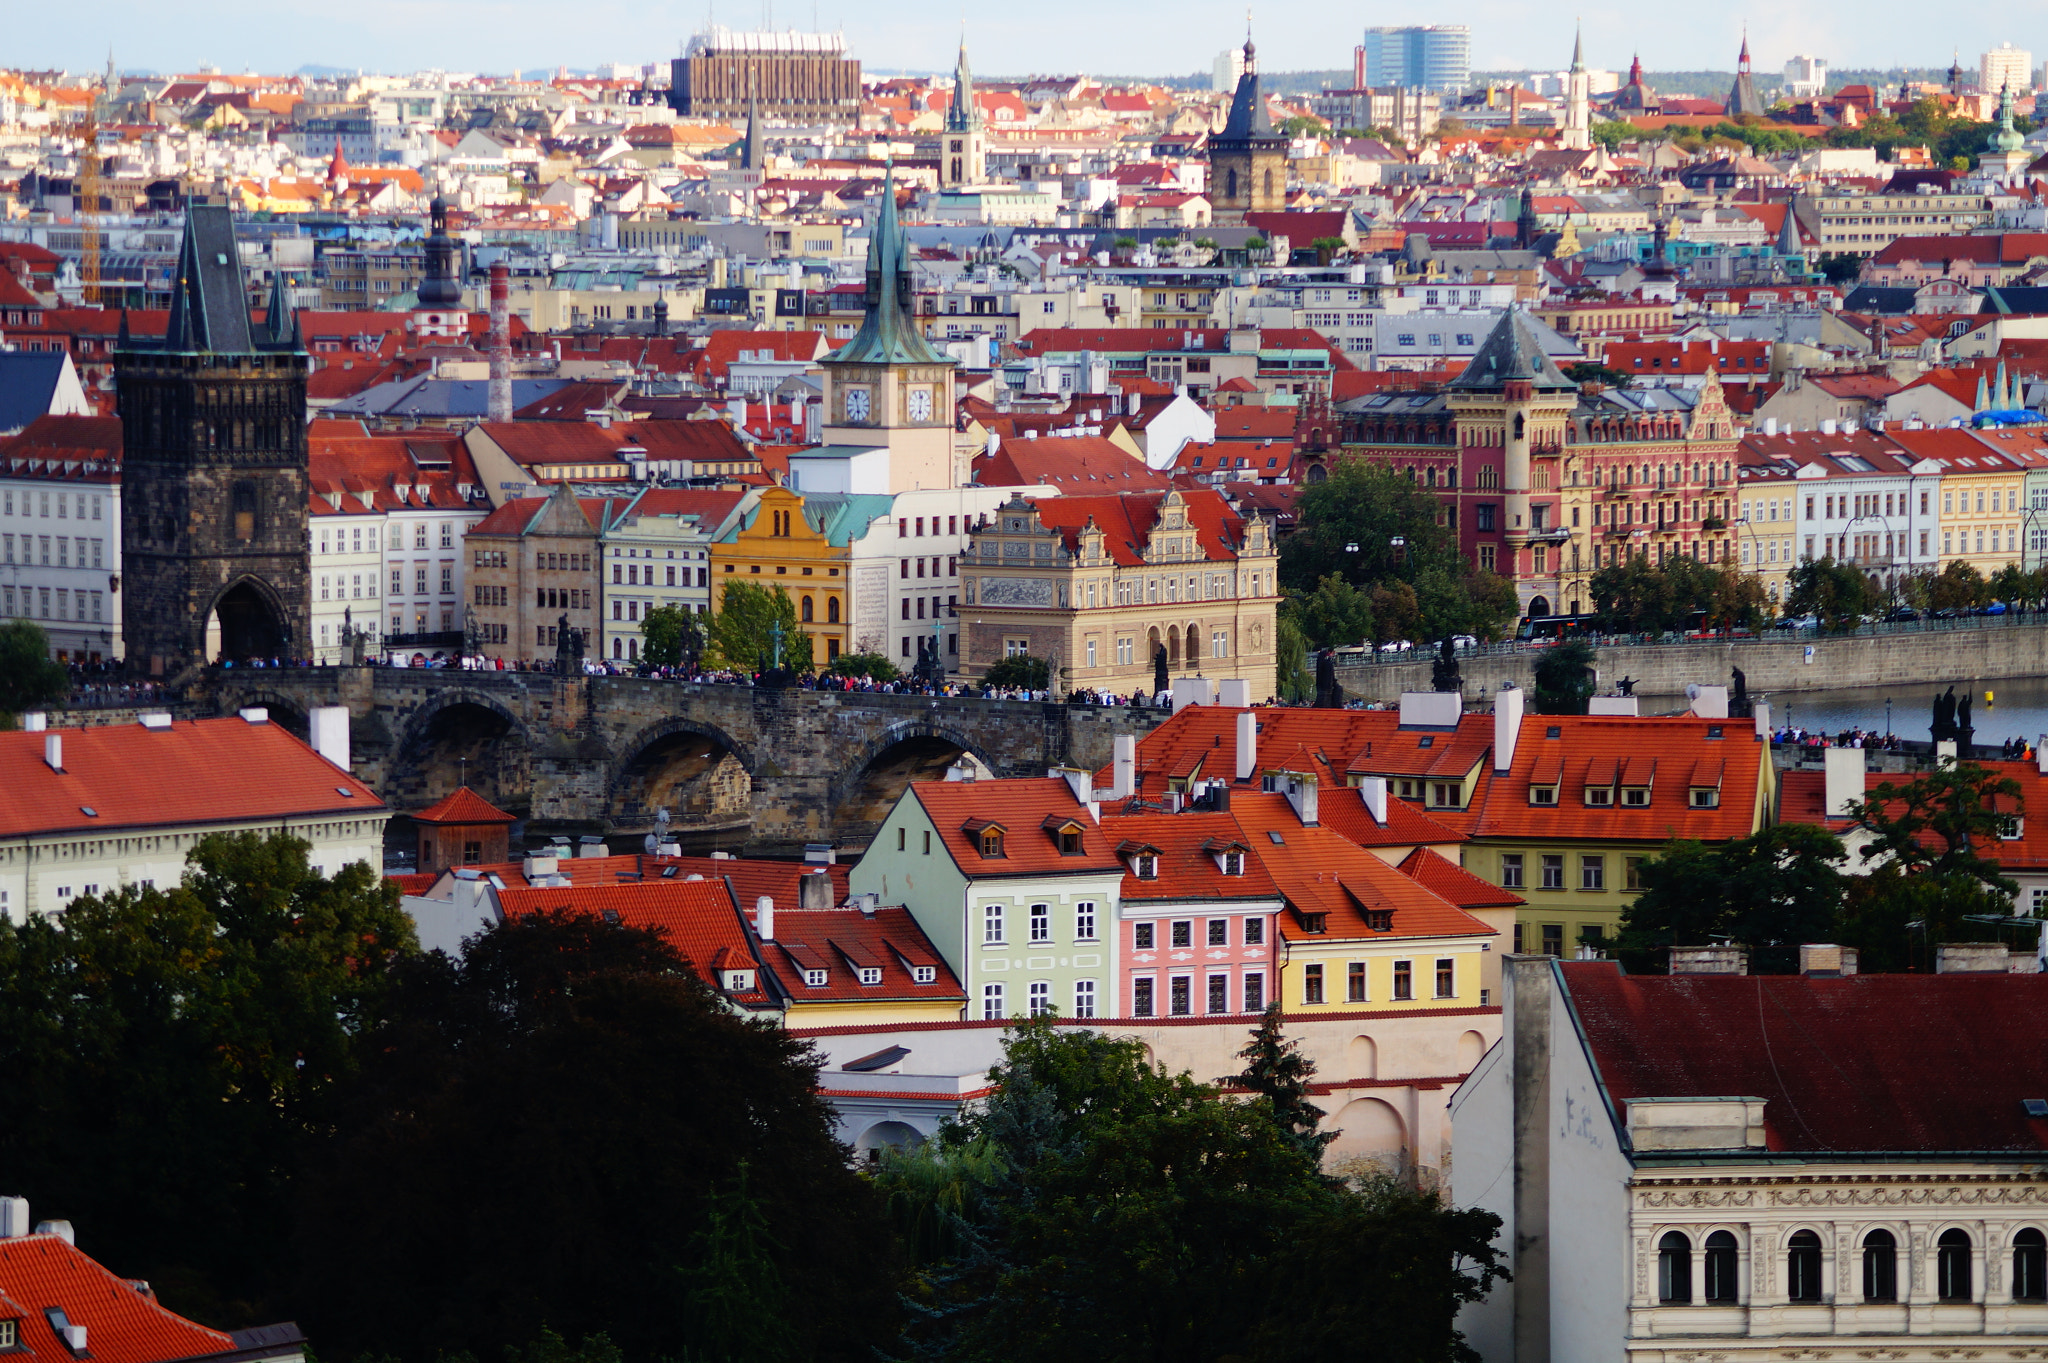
1578, 45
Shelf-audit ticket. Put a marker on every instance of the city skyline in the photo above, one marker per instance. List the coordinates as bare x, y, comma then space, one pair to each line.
397, 36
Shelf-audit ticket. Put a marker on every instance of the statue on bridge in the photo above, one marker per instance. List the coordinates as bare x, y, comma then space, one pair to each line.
1329, 695
1624, 686
1443, 673
1944, 726
1738, 704
568, 647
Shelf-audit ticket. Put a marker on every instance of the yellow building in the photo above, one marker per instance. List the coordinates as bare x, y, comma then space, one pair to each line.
799, 543
1983, 489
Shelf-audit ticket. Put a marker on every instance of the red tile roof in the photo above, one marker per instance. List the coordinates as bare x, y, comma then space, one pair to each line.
1072, 463
1188, 844
1020, 807
1671, 747
1125, 521
464, 806
841, 942
699, 918
192, 772
1455, 883
1859, 1063
123, 1323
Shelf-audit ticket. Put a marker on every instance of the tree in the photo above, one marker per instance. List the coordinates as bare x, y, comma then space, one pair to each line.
670, 636
1290, 660
1836, 594
1781, 885
744, 630
1277, 1071
29, 676
873, 666
1934, 824
167, 1048
1586, 371
1328, 249
1098, 1207
1304, 125
1958, 587
1395, 611
1368, 505
567, 1129
1334, 615
1564, 678
1020, 670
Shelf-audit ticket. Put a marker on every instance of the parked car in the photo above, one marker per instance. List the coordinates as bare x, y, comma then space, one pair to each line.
1463, 641
1995, 608
1798, 622
1396, 646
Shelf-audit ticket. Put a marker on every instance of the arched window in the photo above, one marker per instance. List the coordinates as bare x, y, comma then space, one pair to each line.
1674, 1268
1230, 184
831, 610
807, 610
1269, 184
2029, 1266
1720, 1267
1881, 1267
1520, 424
1952, 1266
1802, 1266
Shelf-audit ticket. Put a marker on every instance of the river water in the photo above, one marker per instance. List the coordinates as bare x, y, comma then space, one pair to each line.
2015, 708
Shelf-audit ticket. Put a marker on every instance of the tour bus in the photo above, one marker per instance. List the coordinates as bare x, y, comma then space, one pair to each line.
1554, 627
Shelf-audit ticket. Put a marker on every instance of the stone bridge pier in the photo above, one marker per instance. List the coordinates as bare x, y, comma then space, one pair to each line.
736, 767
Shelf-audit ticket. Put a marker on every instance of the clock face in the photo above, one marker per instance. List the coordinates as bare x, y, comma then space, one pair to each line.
856, 404
920, 404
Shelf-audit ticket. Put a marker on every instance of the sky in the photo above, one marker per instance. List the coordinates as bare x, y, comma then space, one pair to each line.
1149, 37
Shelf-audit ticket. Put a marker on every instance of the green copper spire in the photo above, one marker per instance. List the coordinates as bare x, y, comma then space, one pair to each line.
2007, 138
888, 334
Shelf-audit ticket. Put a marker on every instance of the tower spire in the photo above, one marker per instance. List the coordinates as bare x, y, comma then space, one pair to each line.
1578, 46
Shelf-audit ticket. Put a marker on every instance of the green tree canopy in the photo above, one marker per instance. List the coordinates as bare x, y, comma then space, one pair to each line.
1637, 597
870, 665
744, 630
1370, 505
1334, 615
1019, 669
1564, 678
1936, 823
670, 634
1838, 595
29, 676
1781, 885
1958, 586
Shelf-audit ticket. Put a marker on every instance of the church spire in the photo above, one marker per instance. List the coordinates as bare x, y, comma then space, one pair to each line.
963, 115
888, 334
1578, 48
750, 150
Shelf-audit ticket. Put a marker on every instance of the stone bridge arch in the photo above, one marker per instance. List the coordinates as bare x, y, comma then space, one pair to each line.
879, 771
693, 768
286, 711
461, 736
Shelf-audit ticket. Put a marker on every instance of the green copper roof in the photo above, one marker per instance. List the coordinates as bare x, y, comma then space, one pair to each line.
963, 115
1512, 351
888, 334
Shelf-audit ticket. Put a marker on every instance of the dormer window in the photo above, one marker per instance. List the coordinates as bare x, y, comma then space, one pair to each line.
1636, 797
815, 978
10, 1334
1543, 795
1600, 795
738, 981
1146, 866
1706, 797
1233, 863
1315, 922
1379, 920
925, 974
870, 974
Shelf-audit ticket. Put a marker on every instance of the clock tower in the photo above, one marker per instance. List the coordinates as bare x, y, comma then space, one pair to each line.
887, 388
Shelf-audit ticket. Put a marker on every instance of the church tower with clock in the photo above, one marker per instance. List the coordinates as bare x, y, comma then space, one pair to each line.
887, 388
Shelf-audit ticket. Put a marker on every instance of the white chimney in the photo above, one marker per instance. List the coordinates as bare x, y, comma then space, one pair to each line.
764, 918
1844, 779
1770, 425
35, 721
1507, 725
2041, 754
1247, 744
328, 727
53, 750
1828, 427
62, 1230
1124, 765
254, 714
1762, 710
1301, 792
13, 1217
1373, 790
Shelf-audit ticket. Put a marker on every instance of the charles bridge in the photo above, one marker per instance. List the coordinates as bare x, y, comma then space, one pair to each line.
737, 767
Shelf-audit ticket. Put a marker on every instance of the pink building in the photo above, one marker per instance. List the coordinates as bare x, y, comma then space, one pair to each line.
1196, 926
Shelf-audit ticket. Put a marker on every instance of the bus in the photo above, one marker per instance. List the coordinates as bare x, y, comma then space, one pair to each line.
1554, 627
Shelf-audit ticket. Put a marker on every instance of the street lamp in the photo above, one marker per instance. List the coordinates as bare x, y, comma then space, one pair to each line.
1887, 716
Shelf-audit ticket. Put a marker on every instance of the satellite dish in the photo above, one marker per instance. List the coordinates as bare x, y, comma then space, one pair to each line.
1692, 690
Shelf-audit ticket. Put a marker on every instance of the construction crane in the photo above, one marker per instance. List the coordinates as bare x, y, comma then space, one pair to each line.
86, 189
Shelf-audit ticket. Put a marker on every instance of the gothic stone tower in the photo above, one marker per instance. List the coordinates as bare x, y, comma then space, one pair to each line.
1248, 159
964, 159
213, 430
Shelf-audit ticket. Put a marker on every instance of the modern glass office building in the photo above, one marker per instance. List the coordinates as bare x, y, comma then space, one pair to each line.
1430, 57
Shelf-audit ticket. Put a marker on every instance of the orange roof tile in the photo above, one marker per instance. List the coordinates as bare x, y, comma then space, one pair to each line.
699, 918
1020, 807
464, 806
841, 942
123, 1323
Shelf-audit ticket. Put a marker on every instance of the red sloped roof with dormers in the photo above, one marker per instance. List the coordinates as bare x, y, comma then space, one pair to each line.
1020, 808
1129, 520
123, 1323
843, 941
1189, 844
699, 918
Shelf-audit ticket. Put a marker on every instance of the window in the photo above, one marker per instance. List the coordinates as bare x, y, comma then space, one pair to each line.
1141, 936
9, 1336
1592, 873
1952, 1261
1255, 931
1183, 933
1254, 993
1553, 871
1147, 868
1446, 977
1404, 979
991, 1003
1632, 873
1041, 998
1674, 1269
1802, 1267
1511, 870
1312, 984
1141, 998
1355, 982
815, 979
1720, 1265
1543, 795
1553, 939
1219, 932
2029, 1266
1084, 922
1084, 998
992, 924
1041, 923
991, 842
925, 974
1880, 1266
1180, 996
1219, 993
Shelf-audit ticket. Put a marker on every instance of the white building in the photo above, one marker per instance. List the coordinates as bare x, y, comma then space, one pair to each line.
60, 551
91, 810
655, 551
2005, 66
1806, 78
1713, 1165
904, 573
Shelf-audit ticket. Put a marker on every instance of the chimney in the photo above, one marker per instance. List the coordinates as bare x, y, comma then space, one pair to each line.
820, 854
1844, 779
35, 721
53, 751
62, 1230
814, 890
1125, 768
328, 727
1770, 425
1507, 725
1078, 781
1972, 958
1373, 790
540, 868
2041, 754
867, 903
1826, 960
590, 845
254, 714
1762, 710
1247, 744
1300, 789
764, 918
500, 401
1724, 960
13, 1217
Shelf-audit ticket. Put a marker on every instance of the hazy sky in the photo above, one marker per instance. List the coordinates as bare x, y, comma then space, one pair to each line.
1148, 37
